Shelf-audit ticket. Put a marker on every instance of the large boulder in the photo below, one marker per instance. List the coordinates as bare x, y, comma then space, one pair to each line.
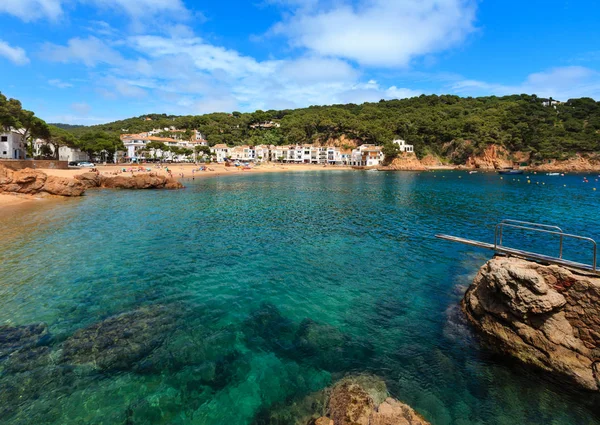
89, 180
140, 181
32, 182
118, 342
545, 316
63, 186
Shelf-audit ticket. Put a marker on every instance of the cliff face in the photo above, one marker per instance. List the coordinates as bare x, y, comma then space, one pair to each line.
405, 161
492, 158
545, 316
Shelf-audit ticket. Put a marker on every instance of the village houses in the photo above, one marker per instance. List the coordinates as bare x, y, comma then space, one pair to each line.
362, 156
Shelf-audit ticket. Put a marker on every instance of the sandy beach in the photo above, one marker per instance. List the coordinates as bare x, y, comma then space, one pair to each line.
191, 170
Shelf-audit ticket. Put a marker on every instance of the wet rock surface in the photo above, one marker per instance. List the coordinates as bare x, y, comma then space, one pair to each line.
118, 342
545, 316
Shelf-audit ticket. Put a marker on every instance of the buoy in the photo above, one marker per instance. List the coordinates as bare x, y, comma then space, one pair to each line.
594, 188
528, 181
502, 178
565, 185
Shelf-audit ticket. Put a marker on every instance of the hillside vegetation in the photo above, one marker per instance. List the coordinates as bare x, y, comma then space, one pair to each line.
449, 126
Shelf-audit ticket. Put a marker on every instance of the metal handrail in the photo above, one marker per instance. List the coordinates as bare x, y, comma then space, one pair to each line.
505, 223
547, 226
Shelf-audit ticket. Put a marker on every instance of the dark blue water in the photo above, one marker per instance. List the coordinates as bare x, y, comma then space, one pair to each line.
275, 286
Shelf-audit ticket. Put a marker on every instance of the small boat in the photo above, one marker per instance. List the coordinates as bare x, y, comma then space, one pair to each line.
553, 174
510, 171
472, 172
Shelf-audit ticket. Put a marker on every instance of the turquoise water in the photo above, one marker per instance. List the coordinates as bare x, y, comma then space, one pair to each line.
275, 285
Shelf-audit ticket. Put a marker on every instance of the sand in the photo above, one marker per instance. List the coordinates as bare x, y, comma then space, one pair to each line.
186, 169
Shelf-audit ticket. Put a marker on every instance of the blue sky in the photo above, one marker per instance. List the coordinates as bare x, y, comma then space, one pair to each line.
94, 61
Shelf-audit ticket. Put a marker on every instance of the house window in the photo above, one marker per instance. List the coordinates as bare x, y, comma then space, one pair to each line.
4, 139
3, 152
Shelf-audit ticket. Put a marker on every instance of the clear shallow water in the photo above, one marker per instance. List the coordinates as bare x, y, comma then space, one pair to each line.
258, 272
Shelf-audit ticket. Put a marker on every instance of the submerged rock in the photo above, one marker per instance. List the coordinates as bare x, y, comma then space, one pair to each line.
119, 341
320, 345
269, 329
546, 316
13, 338
326, 347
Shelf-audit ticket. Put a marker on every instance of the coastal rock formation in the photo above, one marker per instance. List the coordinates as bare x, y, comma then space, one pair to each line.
545, 316
363, 400
32, 182
89, 180
405, 161
577, 163
139, 181
119, 341
493, 157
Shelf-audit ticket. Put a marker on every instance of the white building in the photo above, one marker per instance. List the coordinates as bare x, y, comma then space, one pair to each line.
136, 145
221, 152
65, 153
12, 145
243, 153
367, 156
402, 146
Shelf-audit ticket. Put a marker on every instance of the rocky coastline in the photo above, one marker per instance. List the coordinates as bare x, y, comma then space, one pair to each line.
545, 316
35, 182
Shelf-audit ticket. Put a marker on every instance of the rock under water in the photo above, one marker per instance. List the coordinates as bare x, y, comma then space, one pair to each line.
545, 316
118, 342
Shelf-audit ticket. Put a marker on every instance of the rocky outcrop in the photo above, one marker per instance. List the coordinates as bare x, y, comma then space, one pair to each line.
89, 180
577, 163
545, 316
363, 400
119, 341
33, 182
493, 157
139, 181
405, 161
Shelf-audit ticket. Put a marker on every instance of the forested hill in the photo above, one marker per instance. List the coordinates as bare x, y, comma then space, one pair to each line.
519, 123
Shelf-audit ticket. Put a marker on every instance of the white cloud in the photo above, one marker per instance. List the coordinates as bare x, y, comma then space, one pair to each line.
387, 33
59, 83
89, 51
31, 10
14, 54
560, 83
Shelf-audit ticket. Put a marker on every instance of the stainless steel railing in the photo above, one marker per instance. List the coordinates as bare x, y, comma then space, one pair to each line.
541, 228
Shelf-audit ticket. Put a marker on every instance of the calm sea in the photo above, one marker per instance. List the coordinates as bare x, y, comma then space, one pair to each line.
278, 284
